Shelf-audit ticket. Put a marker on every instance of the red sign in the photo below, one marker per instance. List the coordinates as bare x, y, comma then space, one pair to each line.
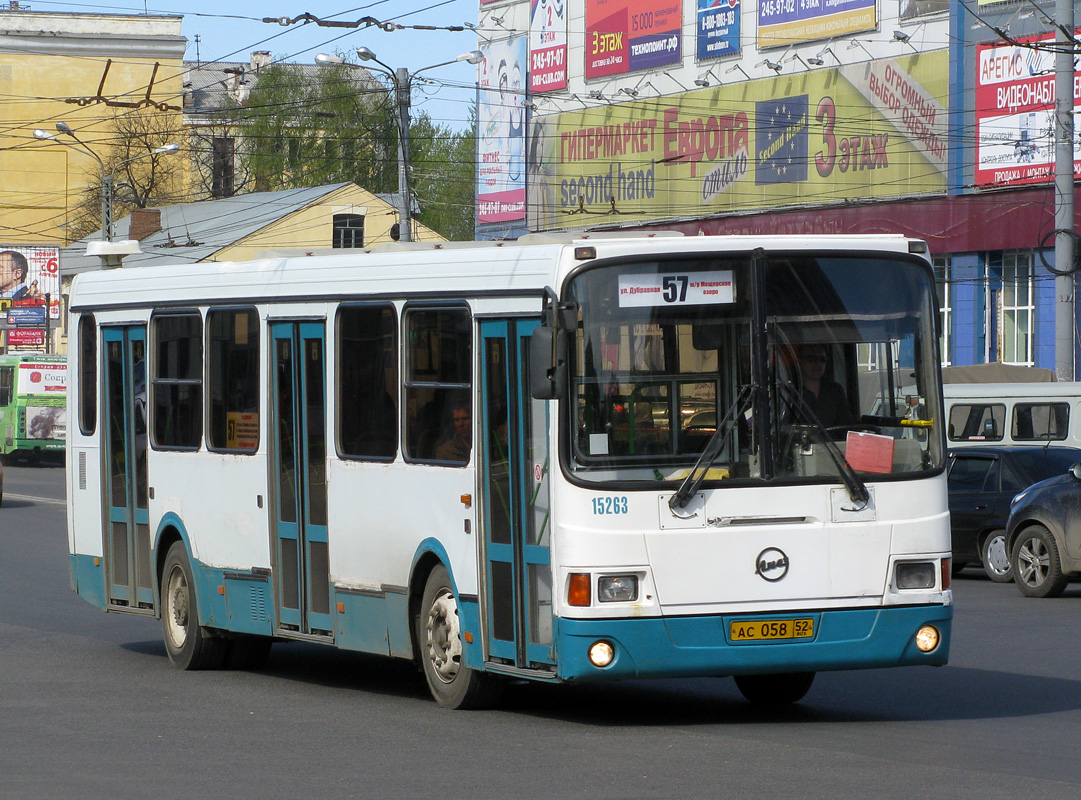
1015, 112
26, 338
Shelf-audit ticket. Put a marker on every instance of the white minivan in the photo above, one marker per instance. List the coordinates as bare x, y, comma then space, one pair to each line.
1013, 413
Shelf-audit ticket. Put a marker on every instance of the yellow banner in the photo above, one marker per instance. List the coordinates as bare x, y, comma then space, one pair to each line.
872, 130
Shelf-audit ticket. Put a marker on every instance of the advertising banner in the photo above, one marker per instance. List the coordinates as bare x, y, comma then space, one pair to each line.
1015, 114
547, 45
27, 274
26, 339
46, 422
861, 131
501, 126
627, 35
785, 22
45, 377
718, 28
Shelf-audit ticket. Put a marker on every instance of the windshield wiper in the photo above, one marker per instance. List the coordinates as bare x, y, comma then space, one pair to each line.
693, 481
857, 489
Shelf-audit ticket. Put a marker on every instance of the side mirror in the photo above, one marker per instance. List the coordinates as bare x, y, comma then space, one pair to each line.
1075, 470
546, 366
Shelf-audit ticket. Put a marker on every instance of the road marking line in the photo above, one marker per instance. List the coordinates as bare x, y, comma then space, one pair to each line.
35, 498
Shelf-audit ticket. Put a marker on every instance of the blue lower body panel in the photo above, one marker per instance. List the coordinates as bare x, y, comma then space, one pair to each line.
88, 578
658, 647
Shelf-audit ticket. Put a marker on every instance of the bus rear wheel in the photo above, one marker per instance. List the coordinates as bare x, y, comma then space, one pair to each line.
188, 644
775, 690
439, 643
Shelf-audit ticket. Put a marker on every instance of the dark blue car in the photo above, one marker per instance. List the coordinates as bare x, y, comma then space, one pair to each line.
982, 482
1043, 535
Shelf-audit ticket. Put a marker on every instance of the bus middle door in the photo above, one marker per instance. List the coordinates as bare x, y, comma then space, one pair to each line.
298, 471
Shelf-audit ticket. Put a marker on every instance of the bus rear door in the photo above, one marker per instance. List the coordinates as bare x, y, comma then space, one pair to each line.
299, 475
127, 535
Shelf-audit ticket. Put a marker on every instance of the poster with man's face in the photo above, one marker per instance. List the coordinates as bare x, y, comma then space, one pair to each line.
28, 275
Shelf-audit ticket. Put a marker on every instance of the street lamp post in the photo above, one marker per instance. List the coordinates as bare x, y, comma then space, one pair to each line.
106, 173
403, 86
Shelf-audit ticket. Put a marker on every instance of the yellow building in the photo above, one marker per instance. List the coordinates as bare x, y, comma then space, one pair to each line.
313, 220
94, 73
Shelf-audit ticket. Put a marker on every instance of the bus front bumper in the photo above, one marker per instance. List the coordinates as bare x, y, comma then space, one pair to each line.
702, 646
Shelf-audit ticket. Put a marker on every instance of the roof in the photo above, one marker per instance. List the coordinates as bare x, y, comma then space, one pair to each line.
194, 232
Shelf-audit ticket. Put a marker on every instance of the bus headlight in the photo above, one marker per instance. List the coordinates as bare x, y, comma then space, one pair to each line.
927, 638
915, 575
601, 654
617, 588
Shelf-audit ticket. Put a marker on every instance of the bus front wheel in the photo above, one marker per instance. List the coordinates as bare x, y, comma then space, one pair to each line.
439, 642
775, 690
188, 644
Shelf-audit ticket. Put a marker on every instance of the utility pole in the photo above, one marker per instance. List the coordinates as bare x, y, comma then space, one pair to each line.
402, 89
1064, 190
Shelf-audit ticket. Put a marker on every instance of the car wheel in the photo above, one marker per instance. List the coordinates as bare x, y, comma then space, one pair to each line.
995, 558
1037, 568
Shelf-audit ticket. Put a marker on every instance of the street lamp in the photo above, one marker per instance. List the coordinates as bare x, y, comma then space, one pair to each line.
403, 86
106, 173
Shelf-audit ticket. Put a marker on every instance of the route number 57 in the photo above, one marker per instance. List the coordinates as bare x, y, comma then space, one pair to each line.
675, 288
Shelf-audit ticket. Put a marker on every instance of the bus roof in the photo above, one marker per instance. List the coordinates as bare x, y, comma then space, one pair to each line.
432, 269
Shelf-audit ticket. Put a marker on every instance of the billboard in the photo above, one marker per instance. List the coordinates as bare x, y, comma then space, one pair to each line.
874, 129
1015, 113
717, 28
785, 22
27, 274
547, 45
501, 132
42, 378
627, 35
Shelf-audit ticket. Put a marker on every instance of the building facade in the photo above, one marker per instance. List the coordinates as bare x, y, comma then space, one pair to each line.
922, 117
89, 84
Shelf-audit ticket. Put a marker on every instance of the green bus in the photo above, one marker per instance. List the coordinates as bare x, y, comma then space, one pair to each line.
33, 404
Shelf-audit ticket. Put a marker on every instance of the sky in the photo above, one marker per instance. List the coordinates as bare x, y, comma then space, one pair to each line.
230, 31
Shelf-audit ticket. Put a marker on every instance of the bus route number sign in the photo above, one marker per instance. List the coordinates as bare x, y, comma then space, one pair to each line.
676, 289
767, 629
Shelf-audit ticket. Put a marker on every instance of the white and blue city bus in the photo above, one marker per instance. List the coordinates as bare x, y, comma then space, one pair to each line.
562, 459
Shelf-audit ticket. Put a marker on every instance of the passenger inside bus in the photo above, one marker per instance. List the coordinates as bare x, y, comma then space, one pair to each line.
456, 446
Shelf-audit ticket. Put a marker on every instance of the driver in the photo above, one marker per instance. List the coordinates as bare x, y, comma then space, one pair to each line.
822, 395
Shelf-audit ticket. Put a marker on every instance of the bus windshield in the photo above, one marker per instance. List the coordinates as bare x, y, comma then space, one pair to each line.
785, 367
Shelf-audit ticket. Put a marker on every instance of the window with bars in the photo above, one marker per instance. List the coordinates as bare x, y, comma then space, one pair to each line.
1017, 309
942, 266
348, 230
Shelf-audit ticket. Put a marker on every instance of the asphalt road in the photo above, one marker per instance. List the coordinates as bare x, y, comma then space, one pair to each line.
89, 707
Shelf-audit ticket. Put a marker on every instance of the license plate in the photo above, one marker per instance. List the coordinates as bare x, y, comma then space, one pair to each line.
771, 629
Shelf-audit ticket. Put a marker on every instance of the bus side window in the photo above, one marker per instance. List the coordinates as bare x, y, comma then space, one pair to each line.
437, 383
88, 374
7, 385
367, 382
233, 379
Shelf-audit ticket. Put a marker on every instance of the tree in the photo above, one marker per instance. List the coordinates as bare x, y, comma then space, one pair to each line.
140, 177
301, 130
444, 175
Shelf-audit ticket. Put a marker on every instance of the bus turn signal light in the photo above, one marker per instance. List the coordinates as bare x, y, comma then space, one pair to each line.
578, 593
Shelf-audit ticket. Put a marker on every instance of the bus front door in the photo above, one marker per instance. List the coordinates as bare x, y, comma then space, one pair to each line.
298, 471
127, 535
514, 463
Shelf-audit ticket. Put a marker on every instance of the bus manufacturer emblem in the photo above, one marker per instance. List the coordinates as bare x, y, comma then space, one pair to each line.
771, 564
